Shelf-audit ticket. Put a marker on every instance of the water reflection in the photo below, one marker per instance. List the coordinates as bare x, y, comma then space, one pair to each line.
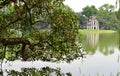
104, 56
92, 39
98, 65
119, 38
104, 43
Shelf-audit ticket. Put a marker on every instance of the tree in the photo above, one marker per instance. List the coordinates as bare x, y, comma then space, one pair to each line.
89, 11
107, 7
118, 12
83, 21
20, 18
107, 18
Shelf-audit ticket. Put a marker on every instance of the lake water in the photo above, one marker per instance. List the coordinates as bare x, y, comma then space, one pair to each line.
102, 59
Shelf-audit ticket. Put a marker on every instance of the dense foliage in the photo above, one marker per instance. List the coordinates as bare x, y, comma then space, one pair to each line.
21, 23
89, 11
46, 71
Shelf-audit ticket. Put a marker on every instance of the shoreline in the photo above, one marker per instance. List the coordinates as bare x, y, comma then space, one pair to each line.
95, 31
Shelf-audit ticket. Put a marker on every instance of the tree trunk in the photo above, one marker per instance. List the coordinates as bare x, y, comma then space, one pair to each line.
24, 51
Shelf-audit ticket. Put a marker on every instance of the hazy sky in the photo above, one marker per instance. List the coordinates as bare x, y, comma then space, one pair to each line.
77, 5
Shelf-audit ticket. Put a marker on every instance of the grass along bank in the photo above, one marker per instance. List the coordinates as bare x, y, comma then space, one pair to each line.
95, 31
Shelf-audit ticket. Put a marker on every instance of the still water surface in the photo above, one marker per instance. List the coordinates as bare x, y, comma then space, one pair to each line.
102, 59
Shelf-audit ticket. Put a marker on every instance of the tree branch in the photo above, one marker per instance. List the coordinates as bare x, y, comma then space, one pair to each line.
14, 41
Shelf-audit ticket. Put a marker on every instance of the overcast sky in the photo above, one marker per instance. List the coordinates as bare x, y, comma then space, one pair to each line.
77, 5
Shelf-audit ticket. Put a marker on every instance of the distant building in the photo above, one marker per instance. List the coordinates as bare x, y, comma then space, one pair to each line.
92, 23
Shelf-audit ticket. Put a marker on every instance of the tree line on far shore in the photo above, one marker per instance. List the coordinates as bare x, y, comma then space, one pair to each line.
106, 15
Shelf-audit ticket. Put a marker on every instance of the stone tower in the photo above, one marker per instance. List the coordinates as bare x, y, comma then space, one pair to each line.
92, 23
